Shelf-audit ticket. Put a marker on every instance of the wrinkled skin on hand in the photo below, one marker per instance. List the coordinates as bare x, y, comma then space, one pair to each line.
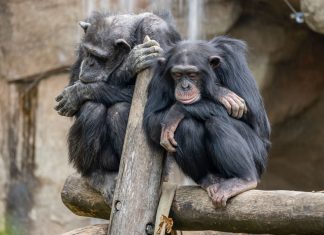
235, 105
71, 99
142, 56
167, 138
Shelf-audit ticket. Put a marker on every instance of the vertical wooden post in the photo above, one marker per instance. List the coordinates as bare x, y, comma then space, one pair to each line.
137, 191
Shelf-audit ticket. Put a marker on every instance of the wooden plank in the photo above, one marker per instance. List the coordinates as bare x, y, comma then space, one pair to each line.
255, 211
137, 191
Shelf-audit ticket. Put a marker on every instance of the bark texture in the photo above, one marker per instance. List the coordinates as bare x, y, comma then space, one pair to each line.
255, 211
137, 191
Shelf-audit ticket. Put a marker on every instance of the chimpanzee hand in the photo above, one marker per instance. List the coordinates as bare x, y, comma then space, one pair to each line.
169, 126
167, 140
71, 99
234, 104
143, 55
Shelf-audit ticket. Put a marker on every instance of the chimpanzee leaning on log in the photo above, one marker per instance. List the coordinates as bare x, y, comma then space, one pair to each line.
102, 81
226, 156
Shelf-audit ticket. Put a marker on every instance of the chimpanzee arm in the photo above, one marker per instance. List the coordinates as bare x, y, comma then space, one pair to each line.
233, 103
235, 75
204, 110
169, 125
139, 58
75, 71
72, 97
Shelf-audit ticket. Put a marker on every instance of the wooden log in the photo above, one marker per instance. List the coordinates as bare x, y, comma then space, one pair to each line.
137, 191
78, 195
97, 229
255, 211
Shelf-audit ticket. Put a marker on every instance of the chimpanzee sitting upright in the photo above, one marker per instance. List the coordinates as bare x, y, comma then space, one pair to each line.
226, 156
110, 55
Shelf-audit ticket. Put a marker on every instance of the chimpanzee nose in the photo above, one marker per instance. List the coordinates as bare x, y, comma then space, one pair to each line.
185, 84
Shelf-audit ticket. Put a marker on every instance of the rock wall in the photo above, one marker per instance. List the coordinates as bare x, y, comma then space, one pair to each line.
37, 46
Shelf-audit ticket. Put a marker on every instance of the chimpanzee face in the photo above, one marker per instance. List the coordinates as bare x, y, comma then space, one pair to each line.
102, 49
188, 79
187, 83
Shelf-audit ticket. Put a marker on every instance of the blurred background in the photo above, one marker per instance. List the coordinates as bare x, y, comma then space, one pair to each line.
37, 45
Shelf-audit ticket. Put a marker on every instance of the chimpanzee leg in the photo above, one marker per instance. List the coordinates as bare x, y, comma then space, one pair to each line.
117, 122
106, 141
191, 153
233, 161
89, 145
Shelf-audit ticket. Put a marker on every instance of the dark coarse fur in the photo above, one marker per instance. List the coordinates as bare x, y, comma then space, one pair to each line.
96, 137
209, 140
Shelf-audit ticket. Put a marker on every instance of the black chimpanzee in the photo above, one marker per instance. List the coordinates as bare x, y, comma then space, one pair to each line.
110, 55
226, 156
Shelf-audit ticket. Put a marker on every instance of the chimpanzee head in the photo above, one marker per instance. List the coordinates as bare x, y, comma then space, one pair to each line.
190, 67
106, 41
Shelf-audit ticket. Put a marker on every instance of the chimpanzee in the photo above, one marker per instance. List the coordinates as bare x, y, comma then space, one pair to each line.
110, 55
226, 156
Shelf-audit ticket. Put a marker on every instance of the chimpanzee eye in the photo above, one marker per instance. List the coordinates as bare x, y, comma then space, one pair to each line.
192, 75
177, 75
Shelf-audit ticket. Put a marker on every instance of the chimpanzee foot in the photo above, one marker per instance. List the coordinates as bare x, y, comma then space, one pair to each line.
104, 183
222, 191
218, 195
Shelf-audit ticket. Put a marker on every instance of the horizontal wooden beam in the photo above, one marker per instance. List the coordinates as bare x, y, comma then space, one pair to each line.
255, 211
82, 200
97, 229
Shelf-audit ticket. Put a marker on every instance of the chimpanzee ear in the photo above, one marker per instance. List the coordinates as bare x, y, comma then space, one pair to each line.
214, 61
84, 25
121, 43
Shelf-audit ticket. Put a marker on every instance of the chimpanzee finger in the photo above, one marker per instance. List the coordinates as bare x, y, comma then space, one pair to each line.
223, 201
235, 96
208, 192
59, 97
173, 141
234, 107
150, 57
63, 112
153, 49
240, 101
60, 105
167, 146
215, 200
241, 112
70, 113
237, 107
144, 65
150, 43
226, 104
170, 148
245, 109
219, 200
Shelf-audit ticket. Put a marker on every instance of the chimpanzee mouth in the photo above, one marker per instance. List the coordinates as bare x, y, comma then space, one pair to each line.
188, 100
